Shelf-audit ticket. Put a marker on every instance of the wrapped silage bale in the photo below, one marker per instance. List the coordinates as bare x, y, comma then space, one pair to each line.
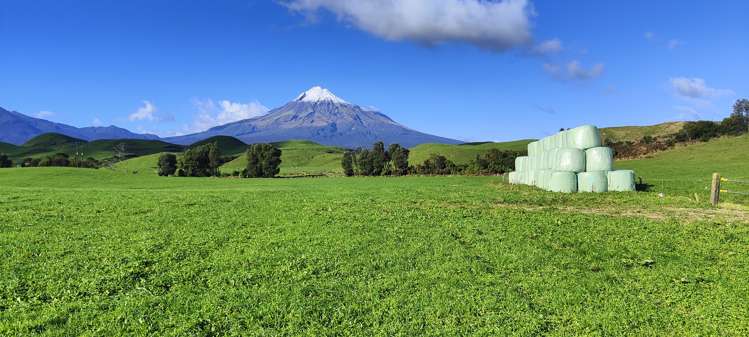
621, 181
565, 182
562, 141
512, 177
545, 179
596, 181
532, 152
599, 159
551, 159
570, 160
584, 137
521, 164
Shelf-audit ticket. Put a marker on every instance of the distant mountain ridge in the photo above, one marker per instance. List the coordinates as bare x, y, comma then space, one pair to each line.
320, 116
17, 128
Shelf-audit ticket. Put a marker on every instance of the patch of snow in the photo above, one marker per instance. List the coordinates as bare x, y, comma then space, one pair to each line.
319, 94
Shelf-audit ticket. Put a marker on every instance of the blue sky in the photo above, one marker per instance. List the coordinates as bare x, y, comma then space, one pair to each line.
457, 68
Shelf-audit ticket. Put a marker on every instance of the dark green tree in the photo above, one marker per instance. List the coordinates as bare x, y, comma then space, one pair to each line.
379, 158
738, 122
5, 161
167, 164
398, 164
198, 161
347, 163
263, 161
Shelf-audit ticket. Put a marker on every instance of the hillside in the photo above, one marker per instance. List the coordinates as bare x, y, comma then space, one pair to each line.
635, 133
688, 169
228, 145
51, 143
7, 148
139, 165
462, 153
299, 157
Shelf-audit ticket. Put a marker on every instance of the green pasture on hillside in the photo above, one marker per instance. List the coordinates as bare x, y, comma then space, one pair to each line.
299, 158
463, 153
102, 252
687, 170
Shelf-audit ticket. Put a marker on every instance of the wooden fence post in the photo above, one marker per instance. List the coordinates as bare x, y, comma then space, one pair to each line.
715, 190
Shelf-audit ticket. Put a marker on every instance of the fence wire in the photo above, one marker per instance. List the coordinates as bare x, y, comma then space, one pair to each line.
738, 181
734, 192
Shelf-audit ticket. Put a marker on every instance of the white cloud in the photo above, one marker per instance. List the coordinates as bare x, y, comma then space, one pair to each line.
649, 35
548, 47
45, 114
674, 43
495, 25
146, 112
574, 71
96, 122
212, 114
696, 88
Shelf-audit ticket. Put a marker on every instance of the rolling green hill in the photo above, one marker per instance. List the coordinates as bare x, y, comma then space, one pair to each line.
139, 165
6, 148
226, 144
51, 143
635, 133
688, 169
462, 153
300, 157
51, 140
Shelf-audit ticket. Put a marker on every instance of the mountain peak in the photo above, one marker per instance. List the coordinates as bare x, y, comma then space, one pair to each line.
319, 94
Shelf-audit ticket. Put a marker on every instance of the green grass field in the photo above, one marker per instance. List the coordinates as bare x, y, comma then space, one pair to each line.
300, 158
109, 252
687, 170
463, 153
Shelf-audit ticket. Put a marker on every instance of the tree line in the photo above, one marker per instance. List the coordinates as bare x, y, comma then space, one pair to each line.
55, 160
394, 162
263, 161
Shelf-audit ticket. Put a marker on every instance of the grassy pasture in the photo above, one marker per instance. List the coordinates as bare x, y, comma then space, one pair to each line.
687, 170
635, 133
463, 153
299, 158
100, 252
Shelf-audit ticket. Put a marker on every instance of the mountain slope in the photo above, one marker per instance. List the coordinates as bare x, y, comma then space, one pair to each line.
319, 116
17, 128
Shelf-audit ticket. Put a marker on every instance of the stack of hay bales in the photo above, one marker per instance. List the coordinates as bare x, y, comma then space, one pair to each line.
572, 161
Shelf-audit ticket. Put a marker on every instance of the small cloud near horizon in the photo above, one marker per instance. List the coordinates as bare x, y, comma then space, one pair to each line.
696, 88
146, 112
44, 114
211, 114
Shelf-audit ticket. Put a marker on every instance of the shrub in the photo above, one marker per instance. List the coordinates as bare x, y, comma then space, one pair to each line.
263, 161
5, 161
494, 162
437, 165
167, 164
347, 163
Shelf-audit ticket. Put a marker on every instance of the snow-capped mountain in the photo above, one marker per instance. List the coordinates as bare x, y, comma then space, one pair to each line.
320, 116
